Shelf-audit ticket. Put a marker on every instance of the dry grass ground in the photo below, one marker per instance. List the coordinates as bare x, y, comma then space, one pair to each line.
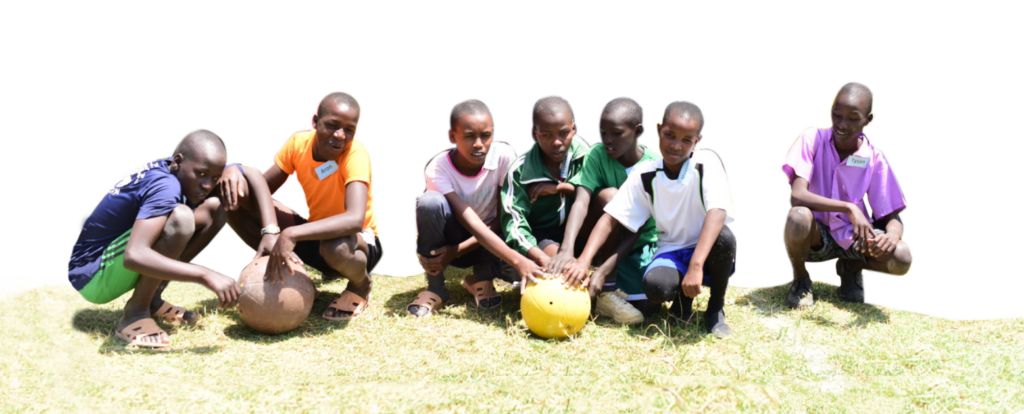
59, 353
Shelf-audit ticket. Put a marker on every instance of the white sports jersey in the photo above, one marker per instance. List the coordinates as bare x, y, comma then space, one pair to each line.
678, 206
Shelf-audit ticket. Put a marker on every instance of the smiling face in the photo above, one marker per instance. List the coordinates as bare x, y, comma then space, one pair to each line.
198, 173
850, 114
472, 138
617, 135
677, 138
335, 128
553, 133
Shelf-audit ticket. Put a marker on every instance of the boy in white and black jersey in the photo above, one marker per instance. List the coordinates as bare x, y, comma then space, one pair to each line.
687, 193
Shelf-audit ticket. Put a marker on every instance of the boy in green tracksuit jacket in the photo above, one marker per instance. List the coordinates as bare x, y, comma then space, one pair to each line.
539, 189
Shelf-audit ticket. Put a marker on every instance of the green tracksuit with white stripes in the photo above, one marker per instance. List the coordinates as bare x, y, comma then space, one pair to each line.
520, 218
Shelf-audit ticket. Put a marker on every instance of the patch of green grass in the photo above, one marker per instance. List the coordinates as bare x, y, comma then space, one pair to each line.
59, 353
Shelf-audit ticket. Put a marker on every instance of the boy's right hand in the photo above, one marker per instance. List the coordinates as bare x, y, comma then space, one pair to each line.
560, 262
537, 190
862, 229
231, 186
576, 275
529, 272
439, 259
225, 287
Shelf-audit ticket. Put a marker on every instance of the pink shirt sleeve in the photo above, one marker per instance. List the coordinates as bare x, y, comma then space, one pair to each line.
800, 159
884, 192
436, 175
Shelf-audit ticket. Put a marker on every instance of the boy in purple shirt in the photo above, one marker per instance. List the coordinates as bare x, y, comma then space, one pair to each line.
830, 171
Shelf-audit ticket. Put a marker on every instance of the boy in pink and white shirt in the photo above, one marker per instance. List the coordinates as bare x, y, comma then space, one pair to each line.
830, 172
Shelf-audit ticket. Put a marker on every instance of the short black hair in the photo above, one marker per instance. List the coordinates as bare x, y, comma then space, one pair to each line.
858, 89
634, 114
685, 109
202, 142
552, 105
470, 107
340, 96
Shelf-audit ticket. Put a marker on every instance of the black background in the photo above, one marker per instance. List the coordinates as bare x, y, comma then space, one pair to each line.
750, 120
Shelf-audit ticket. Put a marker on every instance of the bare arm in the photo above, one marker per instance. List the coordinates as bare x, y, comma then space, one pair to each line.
482, 234
140, 257
259, 189
577, 215
709, 232
276, 177
348, 223
800, 196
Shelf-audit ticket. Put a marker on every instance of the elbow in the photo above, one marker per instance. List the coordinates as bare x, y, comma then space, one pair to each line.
132, 260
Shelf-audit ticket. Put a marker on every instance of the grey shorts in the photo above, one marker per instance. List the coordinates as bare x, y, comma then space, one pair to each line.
830, 249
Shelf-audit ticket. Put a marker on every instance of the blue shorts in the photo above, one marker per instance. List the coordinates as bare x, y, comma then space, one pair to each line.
680, 260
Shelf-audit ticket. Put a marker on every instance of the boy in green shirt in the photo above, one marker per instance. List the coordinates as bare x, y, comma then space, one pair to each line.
626, 254
539, 189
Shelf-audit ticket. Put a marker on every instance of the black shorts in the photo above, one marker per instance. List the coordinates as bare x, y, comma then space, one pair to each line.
308, 251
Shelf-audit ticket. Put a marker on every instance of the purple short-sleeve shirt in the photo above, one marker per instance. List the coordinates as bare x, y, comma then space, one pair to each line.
866, 172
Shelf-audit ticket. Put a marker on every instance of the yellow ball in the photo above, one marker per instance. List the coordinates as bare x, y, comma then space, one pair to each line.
552, 311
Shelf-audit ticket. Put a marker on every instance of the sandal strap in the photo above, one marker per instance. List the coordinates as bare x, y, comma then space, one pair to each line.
348, 302
427, 299
142, 328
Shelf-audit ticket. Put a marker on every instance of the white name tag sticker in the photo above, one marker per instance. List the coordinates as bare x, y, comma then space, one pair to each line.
326, 169
855, 161
491, 163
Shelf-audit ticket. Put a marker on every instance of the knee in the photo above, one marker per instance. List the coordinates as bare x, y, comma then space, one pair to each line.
430, 202
342, 254
901, 260
214, 214
605, 196
180, 223
723, 253
661, 284
798, 223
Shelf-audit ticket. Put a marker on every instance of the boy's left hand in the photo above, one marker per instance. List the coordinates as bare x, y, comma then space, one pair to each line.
439, 260
231, 186
883, 244
283, 252
537, 190
692, 282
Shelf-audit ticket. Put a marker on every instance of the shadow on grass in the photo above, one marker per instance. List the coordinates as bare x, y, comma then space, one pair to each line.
101, 323
772, 301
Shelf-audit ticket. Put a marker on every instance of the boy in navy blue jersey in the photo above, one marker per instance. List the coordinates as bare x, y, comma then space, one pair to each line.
144, 233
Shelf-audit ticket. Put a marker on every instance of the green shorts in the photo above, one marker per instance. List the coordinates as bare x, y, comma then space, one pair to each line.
112, 280
631, 271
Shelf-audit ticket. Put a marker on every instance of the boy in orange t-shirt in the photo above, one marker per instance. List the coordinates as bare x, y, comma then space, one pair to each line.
340, 237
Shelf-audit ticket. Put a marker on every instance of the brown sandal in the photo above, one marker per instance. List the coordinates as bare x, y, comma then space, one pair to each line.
425, 300
347, 302
481, 290
169, 312
141, 329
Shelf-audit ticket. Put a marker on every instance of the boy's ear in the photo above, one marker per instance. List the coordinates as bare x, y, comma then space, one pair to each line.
451, 136
315, 118
533, 133
176, 161
870, 117
639, 130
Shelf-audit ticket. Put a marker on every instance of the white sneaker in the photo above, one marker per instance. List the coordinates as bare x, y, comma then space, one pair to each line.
614, 305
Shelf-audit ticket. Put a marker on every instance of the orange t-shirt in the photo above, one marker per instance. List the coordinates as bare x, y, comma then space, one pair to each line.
326, 197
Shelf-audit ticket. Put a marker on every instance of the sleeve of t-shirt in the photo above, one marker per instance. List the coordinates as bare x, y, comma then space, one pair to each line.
357, 167
715, 186
508, 156
515, 207
884, 192
631, 205
800, 159
437, 176
159, 198
285, 158
590, 177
